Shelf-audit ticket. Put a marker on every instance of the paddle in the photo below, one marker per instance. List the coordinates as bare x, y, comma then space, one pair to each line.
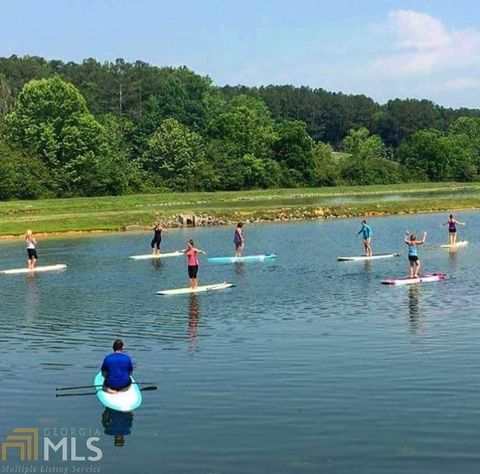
150, 388
58, 389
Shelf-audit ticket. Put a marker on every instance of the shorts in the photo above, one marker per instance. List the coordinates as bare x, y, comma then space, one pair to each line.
452, 231
192, 271
32, 254
238, 245
123, 387
156, 243
413, 258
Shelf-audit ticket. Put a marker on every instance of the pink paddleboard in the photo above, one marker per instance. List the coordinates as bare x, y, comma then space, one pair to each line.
424, 278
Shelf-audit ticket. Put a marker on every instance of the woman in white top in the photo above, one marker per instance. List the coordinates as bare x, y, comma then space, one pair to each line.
31, 249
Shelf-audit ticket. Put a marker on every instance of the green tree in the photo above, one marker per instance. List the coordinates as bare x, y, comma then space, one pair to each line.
466, 130
174, 155
363, 146
431, 155
246, 126
366, 162
51, 120
6, 96
294, 149
372, 171
21, 176
327, 165
399, 119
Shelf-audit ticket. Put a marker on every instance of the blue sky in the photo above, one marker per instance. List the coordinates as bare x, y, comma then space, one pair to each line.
384, 48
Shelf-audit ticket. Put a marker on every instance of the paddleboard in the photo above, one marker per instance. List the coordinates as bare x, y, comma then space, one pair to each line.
425, 278
121, 401
157, 255
247, 258
45, 268
199, 289
462, 243
364, 257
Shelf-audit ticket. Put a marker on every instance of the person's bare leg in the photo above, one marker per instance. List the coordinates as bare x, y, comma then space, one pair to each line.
417, 269
454, 237
369, 248
411, 269
192, 283
34, 262
109, 390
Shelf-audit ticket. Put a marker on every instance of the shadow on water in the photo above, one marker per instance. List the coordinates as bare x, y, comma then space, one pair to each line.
117, 424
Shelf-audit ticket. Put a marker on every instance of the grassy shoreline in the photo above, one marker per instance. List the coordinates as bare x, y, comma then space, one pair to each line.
135, 212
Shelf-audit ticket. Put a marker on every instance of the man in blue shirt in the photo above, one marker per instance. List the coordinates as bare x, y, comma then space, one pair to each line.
367, 232
117, 368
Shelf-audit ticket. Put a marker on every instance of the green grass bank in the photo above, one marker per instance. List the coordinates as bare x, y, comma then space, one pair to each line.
136, 211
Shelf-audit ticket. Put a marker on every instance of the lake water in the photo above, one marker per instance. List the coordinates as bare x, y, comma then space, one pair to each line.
305, 366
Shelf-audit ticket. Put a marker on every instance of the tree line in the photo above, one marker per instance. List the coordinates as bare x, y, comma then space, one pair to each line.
90, 129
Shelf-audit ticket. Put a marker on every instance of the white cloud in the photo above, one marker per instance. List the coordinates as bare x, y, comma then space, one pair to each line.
423, 45
462, 83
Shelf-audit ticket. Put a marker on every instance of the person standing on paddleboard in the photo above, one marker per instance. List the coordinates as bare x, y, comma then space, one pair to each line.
239, 240
157, 238
192, 262
117, 369
31, 250
366, 232
452, 229
413, 260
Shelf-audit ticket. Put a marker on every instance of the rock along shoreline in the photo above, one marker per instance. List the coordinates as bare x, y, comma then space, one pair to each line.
252, 217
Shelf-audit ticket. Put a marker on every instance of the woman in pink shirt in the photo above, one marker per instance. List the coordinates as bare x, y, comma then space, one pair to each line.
192, 261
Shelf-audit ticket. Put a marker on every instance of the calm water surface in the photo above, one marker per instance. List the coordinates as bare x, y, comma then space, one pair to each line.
306, 365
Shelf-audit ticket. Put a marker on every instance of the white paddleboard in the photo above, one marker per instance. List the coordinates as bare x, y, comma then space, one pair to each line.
124, 401
246, 259
45, 268
199, 289
425, 278
364, 257
157, 255
462, 243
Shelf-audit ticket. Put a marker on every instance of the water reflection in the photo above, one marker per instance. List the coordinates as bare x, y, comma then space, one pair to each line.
239, 268
31, 299
193, 321
156, 263
368, 265
414, 312
117, 424
453, 255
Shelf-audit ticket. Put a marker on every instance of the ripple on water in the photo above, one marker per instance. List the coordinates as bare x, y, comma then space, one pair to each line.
305, 365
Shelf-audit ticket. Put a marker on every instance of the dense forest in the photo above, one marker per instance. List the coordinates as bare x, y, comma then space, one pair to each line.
94, 128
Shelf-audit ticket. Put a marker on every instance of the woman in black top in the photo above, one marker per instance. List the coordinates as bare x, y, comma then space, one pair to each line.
157, 238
